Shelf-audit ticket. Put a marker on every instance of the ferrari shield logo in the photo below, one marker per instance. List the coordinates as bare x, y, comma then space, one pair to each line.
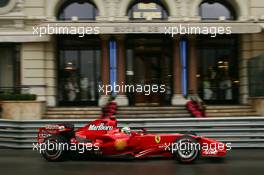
157, 139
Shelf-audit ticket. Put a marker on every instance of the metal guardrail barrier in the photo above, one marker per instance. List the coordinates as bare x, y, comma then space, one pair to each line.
239, 131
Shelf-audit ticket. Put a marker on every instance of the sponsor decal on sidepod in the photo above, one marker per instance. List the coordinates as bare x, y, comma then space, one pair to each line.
100, 127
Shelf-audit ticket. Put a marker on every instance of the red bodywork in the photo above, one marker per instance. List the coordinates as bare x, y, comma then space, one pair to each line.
112, 142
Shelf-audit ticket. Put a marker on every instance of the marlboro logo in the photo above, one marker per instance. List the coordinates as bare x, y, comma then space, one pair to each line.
100, 127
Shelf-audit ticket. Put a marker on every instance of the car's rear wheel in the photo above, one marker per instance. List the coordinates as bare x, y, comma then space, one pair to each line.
55, 148
186, 149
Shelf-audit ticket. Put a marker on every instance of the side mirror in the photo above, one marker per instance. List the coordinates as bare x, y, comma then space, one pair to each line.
144, 130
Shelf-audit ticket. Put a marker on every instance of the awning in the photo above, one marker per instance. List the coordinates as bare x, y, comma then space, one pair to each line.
57, 27
158, 27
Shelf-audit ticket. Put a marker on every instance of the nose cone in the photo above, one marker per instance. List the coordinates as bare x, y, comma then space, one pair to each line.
213, 148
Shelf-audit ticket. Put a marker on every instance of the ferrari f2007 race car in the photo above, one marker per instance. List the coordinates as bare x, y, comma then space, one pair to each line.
103, 137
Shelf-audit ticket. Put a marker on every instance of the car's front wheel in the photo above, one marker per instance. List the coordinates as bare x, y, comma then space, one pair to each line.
186, 149
55, 148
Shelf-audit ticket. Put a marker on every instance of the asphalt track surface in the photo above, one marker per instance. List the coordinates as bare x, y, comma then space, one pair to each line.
28, 162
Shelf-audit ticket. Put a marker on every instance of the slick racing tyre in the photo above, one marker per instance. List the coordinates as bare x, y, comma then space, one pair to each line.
55, 148
186, 149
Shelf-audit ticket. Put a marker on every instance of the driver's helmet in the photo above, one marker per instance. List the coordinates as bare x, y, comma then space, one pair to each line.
126, 130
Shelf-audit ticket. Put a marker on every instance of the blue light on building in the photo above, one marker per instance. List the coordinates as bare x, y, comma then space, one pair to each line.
113, 63
183, 50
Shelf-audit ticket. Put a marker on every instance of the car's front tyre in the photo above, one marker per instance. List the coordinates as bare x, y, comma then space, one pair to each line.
186, 149
55, 148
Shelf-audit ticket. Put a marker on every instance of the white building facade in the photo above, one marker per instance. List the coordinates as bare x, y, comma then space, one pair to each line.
66, 70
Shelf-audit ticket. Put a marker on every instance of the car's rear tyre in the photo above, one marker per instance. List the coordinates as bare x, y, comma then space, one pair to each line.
56, 148
186, 149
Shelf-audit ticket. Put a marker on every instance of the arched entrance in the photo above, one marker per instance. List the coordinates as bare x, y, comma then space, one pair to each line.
147, 10
218, 69
218, 58
213, 9
148, 56
78, 59
84, 10
149, 64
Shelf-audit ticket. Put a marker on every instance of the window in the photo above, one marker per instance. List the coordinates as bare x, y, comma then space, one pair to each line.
218, 69
147, 11
3, 3
212, 10
81, 9
7, 5
79, 70
255, 76
9, 67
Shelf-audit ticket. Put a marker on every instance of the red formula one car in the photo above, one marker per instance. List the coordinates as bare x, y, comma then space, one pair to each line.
102, 137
